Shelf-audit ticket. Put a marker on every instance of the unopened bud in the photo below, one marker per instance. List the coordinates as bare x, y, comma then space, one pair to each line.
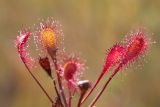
45, 64
84, 85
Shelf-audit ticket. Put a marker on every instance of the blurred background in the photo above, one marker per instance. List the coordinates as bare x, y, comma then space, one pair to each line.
90, 27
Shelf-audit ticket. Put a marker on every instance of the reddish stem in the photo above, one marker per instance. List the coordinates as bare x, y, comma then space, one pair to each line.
104, 87
60, 83
52, 53
69, 99
59, 97
39, 84
95, 84
59, 79
80, 99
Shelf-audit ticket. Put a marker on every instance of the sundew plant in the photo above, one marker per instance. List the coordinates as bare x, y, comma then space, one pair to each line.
66, 69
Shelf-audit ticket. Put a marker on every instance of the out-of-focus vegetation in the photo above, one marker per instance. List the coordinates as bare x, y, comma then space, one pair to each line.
90, 27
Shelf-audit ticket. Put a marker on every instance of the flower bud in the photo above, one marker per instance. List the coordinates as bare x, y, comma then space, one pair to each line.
45, 64
84, 85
